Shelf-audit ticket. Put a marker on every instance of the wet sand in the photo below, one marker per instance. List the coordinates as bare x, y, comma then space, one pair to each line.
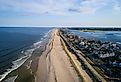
54, 64
26, 72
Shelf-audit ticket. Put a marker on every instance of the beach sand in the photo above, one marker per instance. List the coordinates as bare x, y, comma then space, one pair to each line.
26, 72
54, 64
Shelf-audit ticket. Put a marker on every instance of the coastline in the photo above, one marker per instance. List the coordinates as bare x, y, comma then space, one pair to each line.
54, 64
49, 63
41, 72
26, 71
54, 61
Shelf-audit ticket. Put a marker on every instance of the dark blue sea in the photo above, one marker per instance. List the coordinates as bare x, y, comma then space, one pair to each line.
17, 45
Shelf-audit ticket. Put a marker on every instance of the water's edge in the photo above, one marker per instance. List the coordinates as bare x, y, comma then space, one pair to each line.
23, 69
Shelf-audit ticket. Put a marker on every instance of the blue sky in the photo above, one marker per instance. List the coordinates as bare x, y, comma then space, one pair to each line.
60, 12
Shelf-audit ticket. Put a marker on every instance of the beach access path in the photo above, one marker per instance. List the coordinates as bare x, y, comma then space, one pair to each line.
54, 64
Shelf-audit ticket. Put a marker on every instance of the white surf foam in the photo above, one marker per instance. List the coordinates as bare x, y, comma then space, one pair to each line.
46, 35
17, 63
27, 54
37, 44
11, 79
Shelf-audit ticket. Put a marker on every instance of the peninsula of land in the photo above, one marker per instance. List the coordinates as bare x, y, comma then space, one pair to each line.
54, 65
64, 61
66, 57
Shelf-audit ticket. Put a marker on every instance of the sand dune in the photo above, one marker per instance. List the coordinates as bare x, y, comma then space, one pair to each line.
54, 64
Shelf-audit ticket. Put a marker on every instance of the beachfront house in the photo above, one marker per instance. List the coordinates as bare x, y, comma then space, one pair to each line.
106, 55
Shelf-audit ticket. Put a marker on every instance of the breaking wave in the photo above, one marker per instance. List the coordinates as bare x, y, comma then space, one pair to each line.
27, 54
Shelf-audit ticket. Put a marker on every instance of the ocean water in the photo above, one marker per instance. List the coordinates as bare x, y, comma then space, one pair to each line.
17, 45
112, 36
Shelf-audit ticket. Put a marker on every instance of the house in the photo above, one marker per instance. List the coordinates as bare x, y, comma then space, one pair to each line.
106, 55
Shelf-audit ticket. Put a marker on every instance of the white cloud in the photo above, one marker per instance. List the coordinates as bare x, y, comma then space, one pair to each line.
88, 10
117, 6
91, 6
29, 7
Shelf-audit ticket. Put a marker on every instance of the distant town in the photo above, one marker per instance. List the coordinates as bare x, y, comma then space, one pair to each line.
98, 29
104, 57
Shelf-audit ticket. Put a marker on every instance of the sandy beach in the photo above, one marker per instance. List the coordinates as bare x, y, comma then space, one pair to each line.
54, 64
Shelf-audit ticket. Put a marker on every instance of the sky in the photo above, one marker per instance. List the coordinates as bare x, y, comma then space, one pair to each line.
60, 12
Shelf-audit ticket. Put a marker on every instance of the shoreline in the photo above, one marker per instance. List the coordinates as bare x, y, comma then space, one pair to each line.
50, 63
26, 72
42, 68
54, 61
54, 64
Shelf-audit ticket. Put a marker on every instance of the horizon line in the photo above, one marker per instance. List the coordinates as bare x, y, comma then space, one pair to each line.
63, 26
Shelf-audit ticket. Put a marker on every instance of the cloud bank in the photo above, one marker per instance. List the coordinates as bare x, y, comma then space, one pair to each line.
28, 7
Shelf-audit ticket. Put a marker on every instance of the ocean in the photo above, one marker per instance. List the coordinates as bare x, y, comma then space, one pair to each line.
17, 45
112, 36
